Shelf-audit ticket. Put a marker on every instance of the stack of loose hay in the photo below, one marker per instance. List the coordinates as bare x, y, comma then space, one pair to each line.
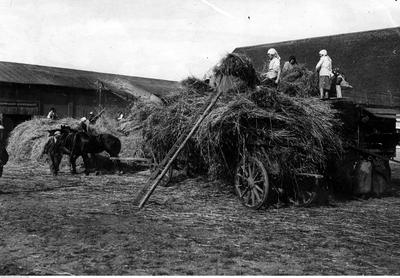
27, 140
294, 132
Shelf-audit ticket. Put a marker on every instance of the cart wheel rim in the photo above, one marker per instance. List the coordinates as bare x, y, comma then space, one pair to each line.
252, 183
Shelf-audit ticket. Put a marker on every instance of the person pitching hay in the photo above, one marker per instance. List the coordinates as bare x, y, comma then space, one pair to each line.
271, 75
324, 67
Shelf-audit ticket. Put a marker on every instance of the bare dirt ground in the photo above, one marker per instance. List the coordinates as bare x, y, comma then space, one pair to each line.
86, 226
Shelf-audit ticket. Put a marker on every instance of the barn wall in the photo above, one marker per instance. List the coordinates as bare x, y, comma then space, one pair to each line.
369, 60
19, 102
70, 102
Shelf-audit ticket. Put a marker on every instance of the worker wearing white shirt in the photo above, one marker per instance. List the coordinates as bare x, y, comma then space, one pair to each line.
273, 72
324, 67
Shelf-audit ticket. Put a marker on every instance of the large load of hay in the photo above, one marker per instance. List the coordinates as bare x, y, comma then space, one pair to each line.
289, 131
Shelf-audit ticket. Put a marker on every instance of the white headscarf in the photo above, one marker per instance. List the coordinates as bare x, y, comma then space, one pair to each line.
274, 53
323, 52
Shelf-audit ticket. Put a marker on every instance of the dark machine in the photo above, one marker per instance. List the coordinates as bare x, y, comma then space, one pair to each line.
370, 143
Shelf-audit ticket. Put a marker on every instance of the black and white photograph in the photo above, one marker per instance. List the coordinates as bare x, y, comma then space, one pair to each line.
199, 137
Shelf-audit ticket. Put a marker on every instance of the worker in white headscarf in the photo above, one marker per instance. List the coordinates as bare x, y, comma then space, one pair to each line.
324, 67
272, 73
84, 124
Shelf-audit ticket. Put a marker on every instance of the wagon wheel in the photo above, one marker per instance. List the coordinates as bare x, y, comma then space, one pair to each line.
252, 183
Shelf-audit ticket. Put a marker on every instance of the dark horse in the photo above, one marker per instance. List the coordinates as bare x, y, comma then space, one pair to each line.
77, 143
3, 157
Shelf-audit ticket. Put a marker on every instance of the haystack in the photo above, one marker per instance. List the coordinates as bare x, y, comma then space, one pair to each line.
27, 140
297, 132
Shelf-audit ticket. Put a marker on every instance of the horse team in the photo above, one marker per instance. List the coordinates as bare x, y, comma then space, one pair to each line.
76, 143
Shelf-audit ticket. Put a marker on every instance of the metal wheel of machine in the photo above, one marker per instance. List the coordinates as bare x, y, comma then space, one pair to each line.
252, 183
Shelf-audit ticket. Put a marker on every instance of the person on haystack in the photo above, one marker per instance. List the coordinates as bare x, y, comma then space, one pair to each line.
290, 64
324, 67
52, 115
92, 118
271, 75
84, 123
337, 79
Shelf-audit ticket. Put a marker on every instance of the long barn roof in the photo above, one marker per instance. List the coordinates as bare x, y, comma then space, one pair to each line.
119, 84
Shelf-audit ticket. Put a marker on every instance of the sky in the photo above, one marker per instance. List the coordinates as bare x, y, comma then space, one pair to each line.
170, 39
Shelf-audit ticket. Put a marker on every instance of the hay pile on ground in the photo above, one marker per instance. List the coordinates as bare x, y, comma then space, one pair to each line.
293, 132
27, 140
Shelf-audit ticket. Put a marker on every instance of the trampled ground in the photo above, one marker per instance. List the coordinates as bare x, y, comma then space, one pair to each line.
86, 225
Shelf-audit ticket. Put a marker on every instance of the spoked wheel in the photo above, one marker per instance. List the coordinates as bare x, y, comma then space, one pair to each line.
251, 183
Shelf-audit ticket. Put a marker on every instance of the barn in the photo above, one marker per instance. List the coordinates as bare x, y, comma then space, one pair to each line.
28, 90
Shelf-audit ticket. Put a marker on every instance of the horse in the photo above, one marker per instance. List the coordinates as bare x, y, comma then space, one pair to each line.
79, 143
3, 157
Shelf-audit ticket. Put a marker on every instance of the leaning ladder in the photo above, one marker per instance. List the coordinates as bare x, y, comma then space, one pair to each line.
166, 163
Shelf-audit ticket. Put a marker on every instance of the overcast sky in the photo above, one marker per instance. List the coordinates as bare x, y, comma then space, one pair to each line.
170, 39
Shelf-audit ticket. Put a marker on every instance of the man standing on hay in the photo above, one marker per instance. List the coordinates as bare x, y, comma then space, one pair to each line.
324, 67
272, 74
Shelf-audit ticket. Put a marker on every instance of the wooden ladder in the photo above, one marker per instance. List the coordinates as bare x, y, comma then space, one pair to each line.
173, 153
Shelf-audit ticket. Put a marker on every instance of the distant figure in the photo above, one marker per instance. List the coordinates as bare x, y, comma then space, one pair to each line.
324, 67
52, 149
3, 153
272, 73
336, 81
289, 64
120, 116
84, 124
91, 117
339, 82
52, 114
1, 132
